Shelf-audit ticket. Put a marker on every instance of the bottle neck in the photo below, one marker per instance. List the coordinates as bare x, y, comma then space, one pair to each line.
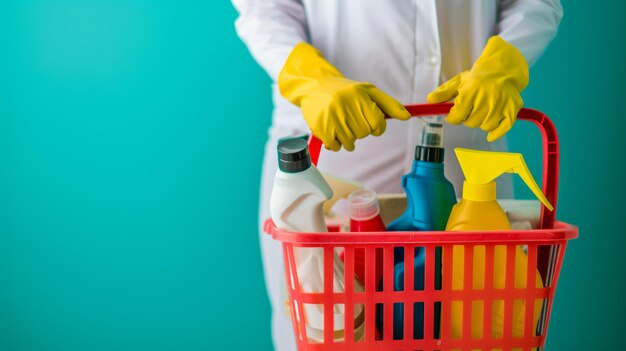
294, 175
427, 168
479, 192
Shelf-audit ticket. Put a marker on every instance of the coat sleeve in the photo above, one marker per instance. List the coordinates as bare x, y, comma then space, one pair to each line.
529, 25
270, 29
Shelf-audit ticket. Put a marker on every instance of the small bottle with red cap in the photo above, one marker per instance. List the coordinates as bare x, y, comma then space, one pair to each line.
365, 217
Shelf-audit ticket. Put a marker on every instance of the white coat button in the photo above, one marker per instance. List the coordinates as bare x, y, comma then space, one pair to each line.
433, 59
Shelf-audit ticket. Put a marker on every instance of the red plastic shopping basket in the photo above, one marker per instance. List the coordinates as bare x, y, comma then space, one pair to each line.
545, 249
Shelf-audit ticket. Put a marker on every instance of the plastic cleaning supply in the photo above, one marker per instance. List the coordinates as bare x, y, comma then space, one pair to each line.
488, 95
551, 233
365, 217
296, 205
338, 110
364, 212
479, 210
430, 197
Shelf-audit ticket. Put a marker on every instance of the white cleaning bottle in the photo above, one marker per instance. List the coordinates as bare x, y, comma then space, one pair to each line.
296, 205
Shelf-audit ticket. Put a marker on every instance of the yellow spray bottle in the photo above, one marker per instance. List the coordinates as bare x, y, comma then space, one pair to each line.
479, 210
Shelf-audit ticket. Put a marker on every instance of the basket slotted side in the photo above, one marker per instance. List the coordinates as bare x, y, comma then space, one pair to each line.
385, 297
546, 248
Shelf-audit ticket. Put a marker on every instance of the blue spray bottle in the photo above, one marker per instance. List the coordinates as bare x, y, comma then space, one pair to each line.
430, 197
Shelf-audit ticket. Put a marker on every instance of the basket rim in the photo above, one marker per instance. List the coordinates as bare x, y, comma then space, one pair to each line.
561, 232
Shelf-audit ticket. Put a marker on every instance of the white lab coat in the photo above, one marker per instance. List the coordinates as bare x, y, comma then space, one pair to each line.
406, 48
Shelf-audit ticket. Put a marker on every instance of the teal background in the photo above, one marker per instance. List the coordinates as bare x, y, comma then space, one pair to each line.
126, 224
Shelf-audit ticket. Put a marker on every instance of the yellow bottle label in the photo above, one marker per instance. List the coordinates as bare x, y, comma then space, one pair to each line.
487, 215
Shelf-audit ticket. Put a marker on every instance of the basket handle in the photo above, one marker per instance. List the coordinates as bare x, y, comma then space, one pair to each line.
550, 150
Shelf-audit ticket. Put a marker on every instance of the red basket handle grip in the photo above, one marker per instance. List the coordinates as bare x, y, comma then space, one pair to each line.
550, 150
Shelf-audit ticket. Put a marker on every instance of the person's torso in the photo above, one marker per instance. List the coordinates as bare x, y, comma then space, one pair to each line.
405, 48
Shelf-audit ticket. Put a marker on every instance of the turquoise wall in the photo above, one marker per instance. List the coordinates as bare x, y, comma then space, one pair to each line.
579, 84
126, 224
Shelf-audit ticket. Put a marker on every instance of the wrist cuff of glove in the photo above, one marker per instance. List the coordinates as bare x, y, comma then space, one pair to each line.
304, 65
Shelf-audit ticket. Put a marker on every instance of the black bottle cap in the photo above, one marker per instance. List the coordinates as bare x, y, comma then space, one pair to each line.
293, 155
429, 154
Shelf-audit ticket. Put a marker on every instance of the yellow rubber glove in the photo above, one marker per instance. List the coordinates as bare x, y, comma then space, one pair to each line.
338, 110
488, 95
